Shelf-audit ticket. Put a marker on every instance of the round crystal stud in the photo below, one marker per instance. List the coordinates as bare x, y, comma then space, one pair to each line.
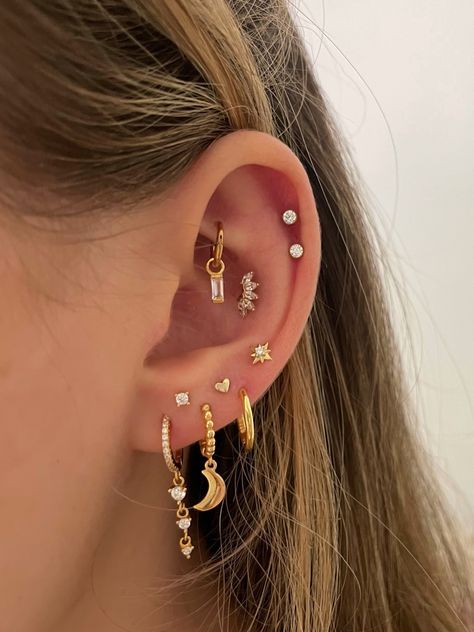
178, 493
184, 523
296, 251
289, 217
182, 399
187, 550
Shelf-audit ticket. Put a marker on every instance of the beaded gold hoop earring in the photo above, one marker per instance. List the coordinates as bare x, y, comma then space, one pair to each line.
216, 484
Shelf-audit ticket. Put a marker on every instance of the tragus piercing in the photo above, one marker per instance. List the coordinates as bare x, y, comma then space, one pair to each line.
215, 267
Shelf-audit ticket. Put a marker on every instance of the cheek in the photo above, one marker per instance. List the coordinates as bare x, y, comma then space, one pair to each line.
63, 395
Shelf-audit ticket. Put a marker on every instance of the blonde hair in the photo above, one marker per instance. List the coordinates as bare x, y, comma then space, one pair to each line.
333, 523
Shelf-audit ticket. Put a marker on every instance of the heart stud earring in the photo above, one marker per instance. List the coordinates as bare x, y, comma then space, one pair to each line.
215, 267
222, 387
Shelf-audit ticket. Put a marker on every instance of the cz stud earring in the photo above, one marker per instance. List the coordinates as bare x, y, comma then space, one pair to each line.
296, 251
216, 484
261, 353
248, 295
215, 267
178, 491
245, 422
289, 217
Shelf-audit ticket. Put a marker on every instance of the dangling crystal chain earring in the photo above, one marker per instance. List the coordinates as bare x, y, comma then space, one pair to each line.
178, 491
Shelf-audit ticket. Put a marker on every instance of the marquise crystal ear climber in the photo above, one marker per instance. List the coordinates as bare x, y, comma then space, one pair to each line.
178, 491
248, 295
215, 267
216, 484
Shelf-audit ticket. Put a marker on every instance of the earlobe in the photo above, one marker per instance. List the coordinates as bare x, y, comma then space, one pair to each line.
254, 188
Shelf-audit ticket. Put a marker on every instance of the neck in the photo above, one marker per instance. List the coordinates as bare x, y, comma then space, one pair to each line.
137, 578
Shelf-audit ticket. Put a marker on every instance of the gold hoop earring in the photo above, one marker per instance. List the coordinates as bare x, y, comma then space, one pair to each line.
174, 463
245, 421
215, 267
216, 484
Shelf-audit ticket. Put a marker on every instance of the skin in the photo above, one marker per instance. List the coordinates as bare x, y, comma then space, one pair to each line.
101, 324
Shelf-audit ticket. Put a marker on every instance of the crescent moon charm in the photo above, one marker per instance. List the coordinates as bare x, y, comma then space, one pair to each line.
216, 490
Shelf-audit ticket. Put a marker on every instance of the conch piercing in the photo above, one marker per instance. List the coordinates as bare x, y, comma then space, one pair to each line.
178, 491
248, 295
261, 353
216, 484
245, 421
215, 267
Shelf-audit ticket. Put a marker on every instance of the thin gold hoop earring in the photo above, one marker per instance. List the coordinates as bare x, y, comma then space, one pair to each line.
245, 421
216, 484
174, 462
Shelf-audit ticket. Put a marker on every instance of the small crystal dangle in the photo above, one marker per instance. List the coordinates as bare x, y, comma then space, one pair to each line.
215, 267
178, 491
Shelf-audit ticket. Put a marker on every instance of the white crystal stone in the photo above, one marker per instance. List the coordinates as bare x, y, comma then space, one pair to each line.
182, 399
184, 523
289, 217
296, 251
259, 351
178, 493
187, 550
217, 289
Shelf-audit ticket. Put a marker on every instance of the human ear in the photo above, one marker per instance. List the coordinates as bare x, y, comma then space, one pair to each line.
245, 180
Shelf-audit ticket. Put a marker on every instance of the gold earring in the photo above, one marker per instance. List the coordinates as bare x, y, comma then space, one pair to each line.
174, 463
245, 421
216, 484
215, 267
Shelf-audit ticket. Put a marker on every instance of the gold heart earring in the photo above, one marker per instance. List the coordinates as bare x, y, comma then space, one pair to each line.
216, 484
223, 387
174, 462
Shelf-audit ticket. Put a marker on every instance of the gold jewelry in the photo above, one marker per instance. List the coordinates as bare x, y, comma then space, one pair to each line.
215, 267
216, 484
222, 387
182, 399
245, 421
261, 353
248, 295
174, 462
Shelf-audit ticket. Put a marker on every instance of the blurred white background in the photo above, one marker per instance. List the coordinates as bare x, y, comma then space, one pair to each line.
399, 76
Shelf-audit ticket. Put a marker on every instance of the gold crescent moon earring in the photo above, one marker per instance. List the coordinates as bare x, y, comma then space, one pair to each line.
245, 421
174, 463
216, 484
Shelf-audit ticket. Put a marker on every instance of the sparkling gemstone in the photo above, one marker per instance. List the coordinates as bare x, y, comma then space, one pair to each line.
182, 399
178, 493
289, 217
187, 550
217, 289
260, 351
296, 251
184, 523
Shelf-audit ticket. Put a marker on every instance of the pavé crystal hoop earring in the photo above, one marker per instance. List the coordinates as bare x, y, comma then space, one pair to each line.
174, 463
245, 421
215, 267
216, 484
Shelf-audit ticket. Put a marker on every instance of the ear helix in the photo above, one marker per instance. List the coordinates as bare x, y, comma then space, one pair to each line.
259, 354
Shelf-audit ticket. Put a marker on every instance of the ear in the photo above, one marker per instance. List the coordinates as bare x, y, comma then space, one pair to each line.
245, 180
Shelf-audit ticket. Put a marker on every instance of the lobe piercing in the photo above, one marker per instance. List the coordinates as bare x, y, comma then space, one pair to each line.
222, 387
182, 399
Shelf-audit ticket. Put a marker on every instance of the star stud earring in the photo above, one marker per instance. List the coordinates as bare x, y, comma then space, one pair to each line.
261, 353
